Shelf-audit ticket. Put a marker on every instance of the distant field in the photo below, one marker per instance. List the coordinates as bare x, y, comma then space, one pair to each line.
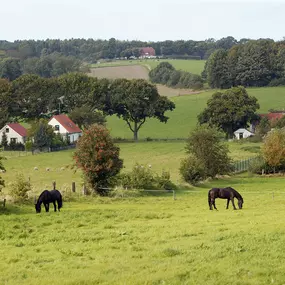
193, 66
184, 118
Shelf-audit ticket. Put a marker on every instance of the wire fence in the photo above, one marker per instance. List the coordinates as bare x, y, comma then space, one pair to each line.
243, 165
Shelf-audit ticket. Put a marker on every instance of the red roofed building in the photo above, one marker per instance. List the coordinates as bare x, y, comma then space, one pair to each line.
15, 133
272, 116
63, 125
147, 52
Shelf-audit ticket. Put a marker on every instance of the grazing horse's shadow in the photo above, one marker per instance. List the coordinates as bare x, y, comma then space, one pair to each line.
47, 197
224, 193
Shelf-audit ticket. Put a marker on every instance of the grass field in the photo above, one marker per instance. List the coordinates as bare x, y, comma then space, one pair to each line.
161, 155
150, 240
193, 66
184, 118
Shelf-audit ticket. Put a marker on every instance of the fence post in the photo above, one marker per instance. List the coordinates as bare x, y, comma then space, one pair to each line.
4, 203
54, 185
73, 187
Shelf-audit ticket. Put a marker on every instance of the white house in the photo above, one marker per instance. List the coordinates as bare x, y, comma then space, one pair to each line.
15, 133
63, 125
242, 134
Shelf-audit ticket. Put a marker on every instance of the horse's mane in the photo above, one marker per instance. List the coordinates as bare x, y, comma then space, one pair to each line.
236, 193
42, 194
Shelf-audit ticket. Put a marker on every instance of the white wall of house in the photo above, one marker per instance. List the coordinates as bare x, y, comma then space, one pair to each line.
58, 128
242, 134
11, 135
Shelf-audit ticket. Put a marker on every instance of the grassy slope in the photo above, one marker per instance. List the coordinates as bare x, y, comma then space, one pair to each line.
184, 117
193, 66
161, 155
151, 240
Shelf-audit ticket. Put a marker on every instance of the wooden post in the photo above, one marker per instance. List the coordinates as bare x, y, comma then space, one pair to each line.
84, 191
4, 203
54, 185
73, 187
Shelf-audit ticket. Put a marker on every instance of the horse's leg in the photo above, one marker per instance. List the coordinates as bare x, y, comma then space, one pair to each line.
54, 206
215, 205
228, 202
46, 207
58, 206
232, 199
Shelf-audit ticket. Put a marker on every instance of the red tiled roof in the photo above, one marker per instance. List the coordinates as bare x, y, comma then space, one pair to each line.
67, 123
273, 116
18, 129
148, 51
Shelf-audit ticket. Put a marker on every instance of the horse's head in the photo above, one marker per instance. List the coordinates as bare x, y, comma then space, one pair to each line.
240, 202
37, 206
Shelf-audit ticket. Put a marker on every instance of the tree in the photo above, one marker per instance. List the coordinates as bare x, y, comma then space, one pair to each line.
4, 140
135, 101
10, 68
2, 182
229, 110
42, 134
98, 158
205, 144
5, 101
85, 117
273, 149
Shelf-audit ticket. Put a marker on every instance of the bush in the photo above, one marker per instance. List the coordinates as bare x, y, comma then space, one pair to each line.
98, 158
20, 187
142, 177
277, 82
192, 170
29, 146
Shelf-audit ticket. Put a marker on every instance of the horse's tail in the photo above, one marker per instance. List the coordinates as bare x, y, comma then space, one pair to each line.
59, 202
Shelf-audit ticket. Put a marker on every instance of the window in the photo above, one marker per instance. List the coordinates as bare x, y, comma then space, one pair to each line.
7, 130
56, 127
13, 140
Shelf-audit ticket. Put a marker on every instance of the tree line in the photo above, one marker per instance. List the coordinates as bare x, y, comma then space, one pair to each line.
87, 99
166, 74
254, 63
47, 65
90, 50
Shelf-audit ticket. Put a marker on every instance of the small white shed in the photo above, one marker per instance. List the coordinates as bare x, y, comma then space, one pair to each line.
242, 134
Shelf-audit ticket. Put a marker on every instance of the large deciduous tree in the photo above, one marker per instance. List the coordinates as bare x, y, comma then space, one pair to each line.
98, 158
229, 110
5, 101
135, 101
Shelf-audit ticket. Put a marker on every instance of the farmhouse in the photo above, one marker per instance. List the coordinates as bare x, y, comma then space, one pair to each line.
15, 133
242, 134
63, 125
147, 52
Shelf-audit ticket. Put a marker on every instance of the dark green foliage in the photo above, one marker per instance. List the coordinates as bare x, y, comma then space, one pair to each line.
263, 127
208, 156
142, 177
192, 170
84, 117
166, 74
230, 110
4, 140
2, 182
20, 187
42, 134
135, 101
10, 68
254, 63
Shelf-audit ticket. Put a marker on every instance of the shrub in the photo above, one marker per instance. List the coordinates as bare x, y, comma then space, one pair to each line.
20, 187
29, 146
192, 170
142, 177
98, 158
277, 82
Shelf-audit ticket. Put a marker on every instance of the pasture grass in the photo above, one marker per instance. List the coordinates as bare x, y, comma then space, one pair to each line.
150, 240
193, 66
184, 118
160, 155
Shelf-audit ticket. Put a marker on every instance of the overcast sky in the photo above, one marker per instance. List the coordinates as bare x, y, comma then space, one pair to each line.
148, 20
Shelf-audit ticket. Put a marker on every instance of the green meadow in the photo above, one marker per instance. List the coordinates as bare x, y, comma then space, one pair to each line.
150, 239
193, 66
184, 118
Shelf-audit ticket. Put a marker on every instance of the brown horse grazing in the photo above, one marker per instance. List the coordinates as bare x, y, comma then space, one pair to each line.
224, 193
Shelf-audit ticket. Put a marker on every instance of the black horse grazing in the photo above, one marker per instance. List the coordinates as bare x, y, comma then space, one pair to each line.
47, 197
224, 193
